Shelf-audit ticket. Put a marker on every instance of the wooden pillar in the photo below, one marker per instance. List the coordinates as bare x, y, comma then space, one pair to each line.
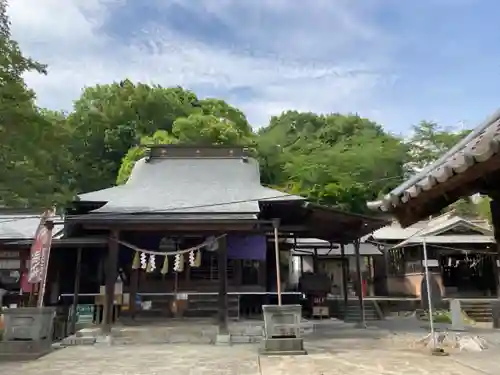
345, 288
315, 261
238, 272
360, 282
495, 218
222, 270
371, 271
187, 275
76, 289
277, 259
111, 275
134, 284
263, 274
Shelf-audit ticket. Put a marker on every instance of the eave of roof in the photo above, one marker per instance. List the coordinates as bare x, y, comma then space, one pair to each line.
479, 146
159, 217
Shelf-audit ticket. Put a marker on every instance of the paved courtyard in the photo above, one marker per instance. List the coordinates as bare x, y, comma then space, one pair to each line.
333, 349
243, 359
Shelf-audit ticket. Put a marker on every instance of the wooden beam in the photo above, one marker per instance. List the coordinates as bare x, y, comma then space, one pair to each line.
345, 265
76, 289
134, 284
111, 275
495, 218
174, 227
222, 270
360, 283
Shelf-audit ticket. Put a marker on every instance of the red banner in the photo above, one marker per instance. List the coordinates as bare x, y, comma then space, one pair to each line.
40, 250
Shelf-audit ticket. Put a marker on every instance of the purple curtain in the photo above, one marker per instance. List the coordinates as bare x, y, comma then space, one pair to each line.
246, 247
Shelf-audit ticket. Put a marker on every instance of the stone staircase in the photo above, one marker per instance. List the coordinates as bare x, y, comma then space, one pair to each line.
172, 331
479, 311
353, 313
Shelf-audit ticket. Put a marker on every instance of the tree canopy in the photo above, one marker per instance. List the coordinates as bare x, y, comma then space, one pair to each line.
48, 156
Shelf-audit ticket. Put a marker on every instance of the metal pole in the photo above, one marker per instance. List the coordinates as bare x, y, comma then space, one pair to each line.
429, 299
277, 256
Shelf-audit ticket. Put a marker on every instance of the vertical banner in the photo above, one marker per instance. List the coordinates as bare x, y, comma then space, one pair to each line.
41, 242
40, 253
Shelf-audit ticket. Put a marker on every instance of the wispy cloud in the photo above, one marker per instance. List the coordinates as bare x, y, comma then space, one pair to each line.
319, 55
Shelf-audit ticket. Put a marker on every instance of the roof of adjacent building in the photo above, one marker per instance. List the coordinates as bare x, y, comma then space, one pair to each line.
22, 226
311, 246
443, 229
476, 148
197, 183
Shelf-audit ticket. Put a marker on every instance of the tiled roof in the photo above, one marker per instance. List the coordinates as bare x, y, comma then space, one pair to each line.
435, 231
189, 185
480, 145
22, 226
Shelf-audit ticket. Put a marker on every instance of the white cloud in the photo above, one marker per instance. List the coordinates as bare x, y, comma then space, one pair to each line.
68, 36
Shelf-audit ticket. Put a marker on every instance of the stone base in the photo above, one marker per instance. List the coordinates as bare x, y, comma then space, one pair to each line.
24, 350
223, 340
283, 346
78, 340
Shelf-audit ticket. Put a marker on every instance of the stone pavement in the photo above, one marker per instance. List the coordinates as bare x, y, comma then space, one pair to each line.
334, 348
242, 360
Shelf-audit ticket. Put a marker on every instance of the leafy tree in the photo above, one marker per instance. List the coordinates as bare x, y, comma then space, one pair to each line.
429, 141
109, 119
194, 129
31, 170
333, 159
223, 111
483, 208
160, 137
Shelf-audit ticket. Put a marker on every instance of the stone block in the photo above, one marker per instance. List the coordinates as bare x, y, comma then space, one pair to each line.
280, 321
283, 346
24, 350
223, 340
28, 323
78, 340
240, 339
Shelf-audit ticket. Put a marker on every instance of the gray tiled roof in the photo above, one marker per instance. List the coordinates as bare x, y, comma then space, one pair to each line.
21, 226
479, 146
189, 185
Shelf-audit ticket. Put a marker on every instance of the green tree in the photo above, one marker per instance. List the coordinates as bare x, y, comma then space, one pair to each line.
332, 159
160, 137
483, 208
194, 129
109, 119
31, 170
430, 141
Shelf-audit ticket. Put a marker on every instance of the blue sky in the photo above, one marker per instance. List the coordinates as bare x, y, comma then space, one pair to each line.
394, 61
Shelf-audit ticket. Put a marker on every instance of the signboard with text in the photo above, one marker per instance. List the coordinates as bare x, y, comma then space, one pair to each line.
39, 253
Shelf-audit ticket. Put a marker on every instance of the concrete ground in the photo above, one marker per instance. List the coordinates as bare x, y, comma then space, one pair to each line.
333, 349
243, 360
